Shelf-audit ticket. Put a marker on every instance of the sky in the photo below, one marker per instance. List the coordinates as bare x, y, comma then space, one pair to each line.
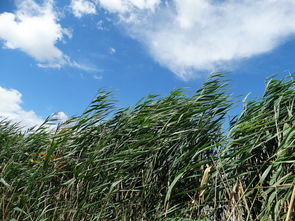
56, 54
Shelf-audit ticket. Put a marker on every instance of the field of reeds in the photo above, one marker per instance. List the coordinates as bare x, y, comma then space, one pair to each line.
165, 158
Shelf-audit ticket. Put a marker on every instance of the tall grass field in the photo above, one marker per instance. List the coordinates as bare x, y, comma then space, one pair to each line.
174, 158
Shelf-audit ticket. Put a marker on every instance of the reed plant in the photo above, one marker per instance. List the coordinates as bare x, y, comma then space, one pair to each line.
165, 158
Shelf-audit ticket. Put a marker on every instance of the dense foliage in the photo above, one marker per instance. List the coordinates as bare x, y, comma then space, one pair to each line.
165, 158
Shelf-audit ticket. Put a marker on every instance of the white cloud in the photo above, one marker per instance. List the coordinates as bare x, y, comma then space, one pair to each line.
59, 116
34, 29
113, 5
190, 36
82, 7
10, 109
124, 6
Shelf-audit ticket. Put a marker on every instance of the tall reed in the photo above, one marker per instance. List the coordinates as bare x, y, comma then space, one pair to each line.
165, 158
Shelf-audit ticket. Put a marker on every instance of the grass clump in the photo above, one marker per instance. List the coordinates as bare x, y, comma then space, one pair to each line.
165, 158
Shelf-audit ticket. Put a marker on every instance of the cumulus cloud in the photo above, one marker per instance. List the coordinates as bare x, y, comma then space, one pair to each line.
82, 7
59, 116
34, 29
190, 36
10, 109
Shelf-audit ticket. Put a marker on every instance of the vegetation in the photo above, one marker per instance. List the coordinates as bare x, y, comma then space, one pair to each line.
165, 158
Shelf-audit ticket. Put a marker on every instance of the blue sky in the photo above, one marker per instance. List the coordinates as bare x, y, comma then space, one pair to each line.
54, 55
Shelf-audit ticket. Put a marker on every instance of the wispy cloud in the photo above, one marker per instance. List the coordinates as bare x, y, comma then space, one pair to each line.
84, 67
97, 77
190, 37
112, 50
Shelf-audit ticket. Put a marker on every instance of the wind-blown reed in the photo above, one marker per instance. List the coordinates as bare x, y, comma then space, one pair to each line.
165, 158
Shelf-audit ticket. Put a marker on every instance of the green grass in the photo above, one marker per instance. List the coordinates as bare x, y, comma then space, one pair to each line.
165, 158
